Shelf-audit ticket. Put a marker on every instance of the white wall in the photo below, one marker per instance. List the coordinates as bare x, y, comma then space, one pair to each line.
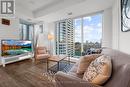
116, 26
121, 40
11, 31
107, 28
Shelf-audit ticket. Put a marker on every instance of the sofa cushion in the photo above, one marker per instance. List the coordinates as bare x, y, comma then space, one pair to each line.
85, 62
99, 71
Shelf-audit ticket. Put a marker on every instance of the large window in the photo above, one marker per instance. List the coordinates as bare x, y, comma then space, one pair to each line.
75, 37
26, 31
88, 33
78, 36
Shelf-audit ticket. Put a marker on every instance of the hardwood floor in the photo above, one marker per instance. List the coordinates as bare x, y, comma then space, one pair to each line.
24, 74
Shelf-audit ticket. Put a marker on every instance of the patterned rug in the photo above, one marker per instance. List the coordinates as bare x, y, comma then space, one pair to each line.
64, 67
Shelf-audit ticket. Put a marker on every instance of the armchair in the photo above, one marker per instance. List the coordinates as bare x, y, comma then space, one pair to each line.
41, 53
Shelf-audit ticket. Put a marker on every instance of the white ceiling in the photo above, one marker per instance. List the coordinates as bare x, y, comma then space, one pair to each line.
40, 5
40, 9
34, 5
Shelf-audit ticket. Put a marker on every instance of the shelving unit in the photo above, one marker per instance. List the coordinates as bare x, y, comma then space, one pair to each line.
11, 59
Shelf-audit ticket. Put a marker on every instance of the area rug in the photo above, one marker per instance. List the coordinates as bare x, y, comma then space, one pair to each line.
64, 67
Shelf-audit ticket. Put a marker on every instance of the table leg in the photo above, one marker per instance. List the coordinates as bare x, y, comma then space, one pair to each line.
3, 62
47, 67
58, 66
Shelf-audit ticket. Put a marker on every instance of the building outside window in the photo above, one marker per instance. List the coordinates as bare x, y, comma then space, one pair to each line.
64, 37
78, 36
88, 34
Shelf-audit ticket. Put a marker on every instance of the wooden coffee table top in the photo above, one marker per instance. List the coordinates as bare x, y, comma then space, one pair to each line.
57, 58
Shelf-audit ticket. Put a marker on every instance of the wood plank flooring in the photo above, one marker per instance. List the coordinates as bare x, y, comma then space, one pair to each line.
24, 74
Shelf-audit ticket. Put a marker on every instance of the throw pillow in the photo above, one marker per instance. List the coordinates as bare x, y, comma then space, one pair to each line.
85, 62
99, 71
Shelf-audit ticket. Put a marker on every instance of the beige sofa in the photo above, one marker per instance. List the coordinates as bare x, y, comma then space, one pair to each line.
120, 73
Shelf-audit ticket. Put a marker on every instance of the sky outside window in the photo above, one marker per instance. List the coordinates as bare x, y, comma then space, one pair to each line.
77, 24
92, 28
92, 33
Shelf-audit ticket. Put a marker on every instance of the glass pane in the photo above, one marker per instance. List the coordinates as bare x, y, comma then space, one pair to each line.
21, 31
92, 33
30, 32
77, 26
24, 31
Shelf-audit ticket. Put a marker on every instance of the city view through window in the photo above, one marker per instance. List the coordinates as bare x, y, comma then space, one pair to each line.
88, 33
80, 36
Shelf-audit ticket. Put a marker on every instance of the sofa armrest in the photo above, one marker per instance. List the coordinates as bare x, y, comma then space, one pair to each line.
66, 80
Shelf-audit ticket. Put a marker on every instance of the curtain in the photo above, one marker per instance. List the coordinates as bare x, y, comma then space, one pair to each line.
36, 32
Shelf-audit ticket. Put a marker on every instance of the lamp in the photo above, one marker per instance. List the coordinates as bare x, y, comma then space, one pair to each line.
50, 38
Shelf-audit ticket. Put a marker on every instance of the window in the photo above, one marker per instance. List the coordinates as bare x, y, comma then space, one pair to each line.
92, 32
88, 33
64, 37
26, 31
76, 37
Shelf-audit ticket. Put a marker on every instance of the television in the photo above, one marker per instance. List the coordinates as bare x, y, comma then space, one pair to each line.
15, 47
